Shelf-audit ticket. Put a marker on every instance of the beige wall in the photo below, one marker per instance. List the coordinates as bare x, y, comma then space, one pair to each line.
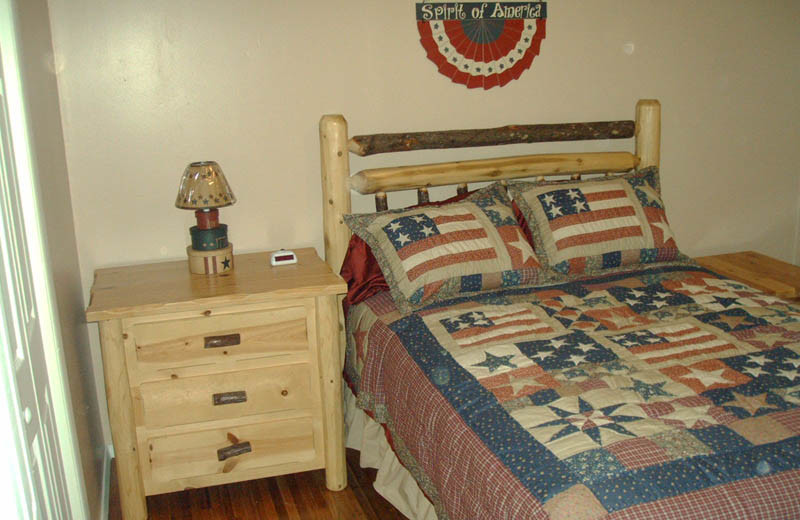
148, 86
47, 147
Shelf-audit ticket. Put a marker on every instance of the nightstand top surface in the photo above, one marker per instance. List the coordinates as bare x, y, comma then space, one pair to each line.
761, 271
154, 288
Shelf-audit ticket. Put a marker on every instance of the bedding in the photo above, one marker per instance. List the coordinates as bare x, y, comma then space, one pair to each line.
663, 392
588, 226
435, 251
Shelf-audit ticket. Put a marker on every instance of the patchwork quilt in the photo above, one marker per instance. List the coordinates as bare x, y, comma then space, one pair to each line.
662, 393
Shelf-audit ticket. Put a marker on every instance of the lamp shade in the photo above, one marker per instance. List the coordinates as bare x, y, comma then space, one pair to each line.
204, 186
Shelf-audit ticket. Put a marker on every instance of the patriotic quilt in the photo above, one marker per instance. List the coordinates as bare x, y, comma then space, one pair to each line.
595, 224
436, 251
665, 392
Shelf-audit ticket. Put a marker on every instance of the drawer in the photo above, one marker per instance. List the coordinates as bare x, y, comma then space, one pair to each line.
227, 395
173, 461
193, 341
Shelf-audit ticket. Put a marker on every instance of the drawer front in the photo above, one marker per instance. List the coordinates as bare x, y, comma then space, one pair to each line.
227, 454
194, 341
225, 396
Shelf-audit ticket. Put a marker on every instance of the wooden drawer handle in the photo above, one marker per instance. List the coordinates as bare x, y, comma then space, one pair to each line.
230, 397
234, 451
226, 340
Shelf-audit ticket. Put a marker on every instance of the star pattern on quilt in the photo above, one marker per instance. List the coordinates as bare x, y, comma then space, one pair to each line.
779, 367
493, 362
751, 404
566, 351
648, 390
649, 298
599, 425
731, 320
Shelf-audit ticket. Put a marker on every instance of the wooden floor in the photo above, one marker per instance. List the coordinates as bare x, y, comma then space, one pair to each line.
298, 496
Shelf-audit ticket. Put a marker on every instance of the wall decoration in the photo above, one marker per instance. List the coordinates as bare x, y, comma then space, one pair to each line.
482, 44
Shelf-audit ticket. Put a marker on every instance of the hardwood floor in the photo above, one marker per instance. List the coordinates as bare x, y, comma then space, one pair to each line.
298, 496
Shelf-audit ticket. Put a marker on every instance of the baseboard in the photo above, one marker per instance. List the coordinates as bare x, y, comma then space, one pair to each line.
106, 492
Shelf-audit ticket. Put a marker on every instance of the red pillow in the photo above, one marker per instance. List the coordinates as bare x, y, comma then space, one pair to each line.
362, 273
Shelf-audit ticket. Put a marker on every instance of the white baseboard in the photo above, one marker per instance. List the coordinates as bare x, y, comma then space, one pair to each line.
106, 492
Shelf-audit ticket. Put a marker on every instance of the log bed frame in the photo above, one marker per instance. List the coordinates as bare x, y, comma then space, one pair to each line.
337, 181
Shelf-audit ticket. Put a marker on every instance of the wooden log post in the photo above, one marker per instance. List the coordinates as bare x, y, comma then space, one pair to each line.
511, 134
648, 133
335, 188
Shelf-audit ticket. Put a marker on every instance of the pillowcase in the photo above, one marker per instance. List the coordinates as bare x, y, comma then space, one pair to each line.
583, 227
435, 252
360, 269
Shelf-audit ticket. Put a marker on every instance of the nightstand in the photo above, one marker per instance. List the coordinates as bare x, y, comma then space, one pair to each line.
760, 271
217, 379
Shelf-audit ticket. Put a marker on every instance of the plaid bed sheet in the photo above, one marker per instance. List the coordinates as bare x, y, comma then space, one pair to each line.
664, 393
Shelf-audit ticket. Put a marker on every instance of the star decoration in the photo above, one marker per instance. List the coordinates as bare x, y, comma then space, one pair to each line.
402, 238
731, 321
789, 374
749, 403
726, 302
549, 199
759, 359
525, 249
647, 390
754, 371
707, 378
577, 359
226, 263
665, 230
493, 362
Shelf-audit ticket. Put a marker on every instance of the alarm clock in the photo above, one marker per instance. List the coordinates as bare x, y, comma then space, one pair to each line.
283, 257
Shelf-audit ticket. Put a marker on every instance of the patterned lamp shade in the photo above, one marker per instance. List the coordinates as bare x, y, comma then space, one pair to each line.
203, 186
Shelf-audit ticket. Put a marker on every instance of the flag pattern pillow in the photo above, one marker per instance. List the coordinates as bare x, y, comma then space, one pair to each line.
434, 252
582, 227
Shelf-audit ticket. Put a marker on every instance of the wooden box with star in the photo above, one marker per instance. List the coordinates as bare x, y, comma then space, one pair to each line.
212, 380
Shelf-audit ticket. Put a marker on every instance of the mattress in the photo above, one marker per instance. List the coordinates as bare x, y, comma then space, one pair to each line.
666, 392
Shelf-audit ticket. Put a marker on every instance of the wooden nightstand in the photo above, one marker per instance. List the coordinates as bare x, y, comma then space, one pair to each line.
217, 379
760, 271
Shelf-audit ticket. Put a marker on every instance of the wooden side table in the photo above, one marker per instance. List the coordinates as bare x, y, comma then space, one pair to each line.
760, 271
217, 379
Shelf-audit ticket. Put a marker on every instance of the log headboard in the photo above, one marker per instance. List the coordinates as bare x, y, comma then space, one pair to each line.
335, 145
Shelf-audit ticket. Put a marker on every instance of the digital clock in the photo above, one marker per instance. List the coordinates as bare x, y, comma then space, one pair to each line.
283, 257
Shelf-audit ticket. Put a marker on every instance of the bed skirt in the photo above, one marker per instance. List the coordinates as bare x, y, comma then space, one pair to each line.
393, 481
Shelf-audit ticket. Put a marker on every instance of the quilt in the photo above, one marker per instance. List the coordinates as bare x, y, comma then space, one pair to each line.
662, 393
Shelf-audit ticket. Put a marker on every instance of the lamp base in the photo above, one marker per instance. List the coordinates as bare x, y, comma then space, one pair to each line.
213, 262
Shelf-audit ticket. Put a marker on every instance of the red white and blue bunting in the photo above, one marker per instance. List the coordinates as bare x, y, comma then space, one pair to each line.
482, 44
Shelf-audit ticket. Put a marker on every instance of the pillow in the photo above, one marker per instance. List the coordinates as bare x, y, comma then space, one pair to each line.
582, 227
360, 269
434, 252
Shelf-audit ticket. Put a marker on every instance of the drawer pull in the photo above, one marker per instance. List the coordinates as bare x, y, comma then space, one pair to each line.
226, 340
230, 397
234, 451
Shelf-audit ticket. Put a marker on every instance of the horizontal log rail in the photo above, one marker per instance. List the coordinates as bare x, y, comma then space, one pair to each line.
512, 134
442, 174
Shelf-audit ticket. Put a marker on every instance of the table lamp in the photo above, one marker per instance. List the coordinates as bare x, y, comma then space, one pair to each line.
204, 188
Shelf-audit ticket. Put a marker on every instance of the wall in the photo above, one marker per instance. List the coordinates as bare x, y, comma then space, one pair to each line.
148, 86
47, 149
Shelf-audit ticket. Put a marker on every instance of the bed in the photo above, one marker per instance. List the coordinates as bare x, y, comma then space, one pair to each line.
556, 356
